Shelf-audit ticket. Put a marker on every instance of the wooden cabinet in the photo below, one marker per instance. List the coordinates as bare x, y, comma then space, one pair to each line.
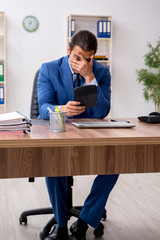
2, 64
91, 23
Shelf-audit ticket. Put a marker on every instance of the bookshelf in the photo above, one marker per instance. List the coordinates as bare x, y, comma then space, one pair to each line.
89, 22
2, 64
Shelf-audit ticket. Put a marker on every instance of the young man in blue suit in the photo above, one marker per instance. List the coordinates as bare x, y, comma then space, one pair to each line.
56, 88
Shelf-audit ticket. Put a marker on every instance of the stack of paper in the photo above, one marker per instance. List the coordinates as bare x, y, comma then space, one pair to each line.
13, 122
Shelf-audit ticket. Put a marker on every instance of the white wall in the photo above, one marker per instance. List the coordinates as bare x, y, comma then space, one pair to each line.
135, 22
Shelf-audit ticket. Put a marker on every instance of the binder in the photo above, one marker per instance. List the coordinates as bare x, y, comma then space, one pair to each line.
73, 22
108, 34
100, 29
104, 29
14, 122
1, 95
1, 72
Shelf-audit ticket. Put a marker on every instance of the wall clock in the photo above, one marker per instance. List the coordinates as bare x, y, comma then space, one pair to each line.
30, 23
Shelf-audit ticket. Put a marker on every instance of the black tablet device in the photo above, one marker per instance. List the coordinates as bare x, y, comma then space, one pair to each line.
86, 95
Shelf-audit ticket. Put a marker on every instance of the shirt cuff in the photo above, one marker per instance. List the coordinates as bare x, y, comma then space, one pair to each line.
93, 82
59, 108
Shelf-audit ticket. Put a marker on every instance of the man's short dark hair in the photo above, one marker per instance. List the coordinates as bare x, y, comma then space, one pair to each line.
85, 40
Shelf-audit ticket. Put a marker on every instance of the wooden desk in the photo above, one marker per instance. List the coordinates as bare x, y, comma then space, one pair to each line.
80, 151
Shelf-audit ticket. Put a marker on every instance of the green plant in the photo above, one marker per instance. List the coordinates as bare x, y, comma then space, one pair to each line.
150, 78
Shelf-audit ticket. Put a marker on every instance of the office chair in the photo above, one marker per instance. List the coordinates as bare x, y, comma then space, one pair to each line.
71, 211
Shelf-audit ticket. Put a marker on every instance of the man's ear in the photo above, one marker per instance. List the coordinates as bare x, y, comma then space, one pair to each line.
68, 50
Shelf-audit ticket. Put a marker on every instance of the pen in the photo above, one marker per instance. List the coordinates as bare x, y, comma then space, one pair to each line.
60, 119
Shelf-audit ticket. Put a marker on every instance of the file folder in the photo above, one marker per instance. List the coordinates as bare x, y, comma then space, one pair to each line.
1, 72
1, 95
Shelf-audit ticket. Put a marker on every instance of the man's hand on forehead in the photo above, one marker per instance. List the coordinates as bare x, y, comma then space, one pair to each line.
77, 57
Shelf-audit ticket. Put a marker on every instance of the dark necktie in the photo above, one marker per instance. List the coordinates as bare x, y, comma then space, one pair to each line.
76, 80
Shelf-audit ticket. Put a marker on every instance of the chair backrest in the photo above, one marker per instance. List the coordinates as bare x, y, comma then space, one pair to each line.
34, 111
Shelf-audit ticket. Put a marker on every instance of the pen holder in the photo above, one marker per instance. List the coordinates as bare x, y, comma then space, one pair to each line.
57, 121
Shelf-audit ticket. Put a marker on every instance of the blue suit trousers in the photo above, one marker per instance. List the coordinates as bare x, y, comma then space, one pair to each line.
94, 205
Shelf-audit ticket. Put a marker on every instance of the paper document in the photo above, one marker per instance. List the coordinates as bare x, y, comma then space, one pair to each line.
11, 116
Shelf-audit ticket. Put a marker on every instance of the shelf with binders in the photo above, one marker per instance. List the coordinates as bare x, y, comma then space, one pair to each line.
94, 24
99, 25
2, 64
104, 53
2, 87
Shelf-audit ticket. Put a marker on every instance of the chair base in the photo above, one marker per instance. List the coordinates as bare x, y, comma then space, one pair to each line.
74, 211
71, 211
32, 212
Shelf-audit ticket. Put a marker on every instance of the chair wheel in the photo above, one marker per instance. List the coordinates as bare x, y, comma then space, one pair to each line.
22, 220
47, 229
98, 232
42, 236
45, 232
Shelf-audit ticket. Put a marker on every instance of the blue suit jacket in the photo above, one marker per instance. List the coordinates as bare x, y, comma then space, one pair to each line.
55, 87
